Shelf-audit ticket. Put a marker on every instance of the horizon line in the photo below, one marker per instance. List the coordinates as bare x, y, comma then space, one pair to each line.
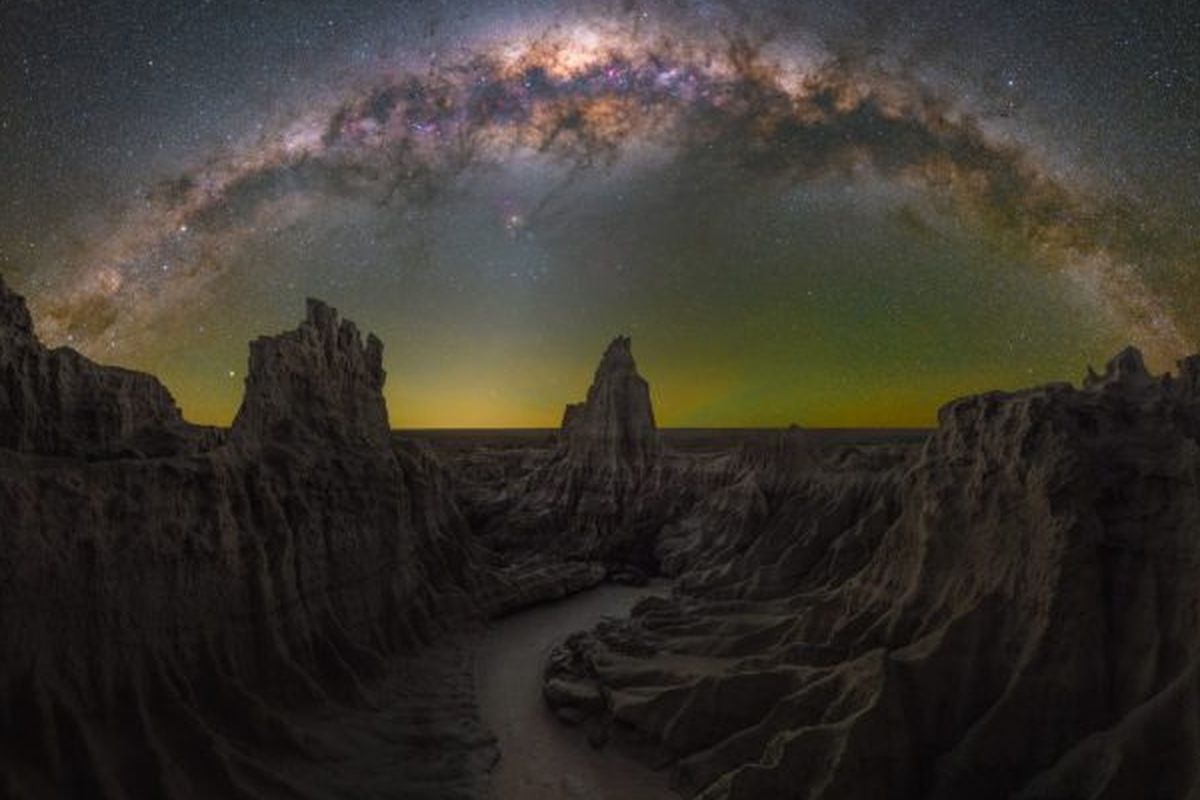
692, 428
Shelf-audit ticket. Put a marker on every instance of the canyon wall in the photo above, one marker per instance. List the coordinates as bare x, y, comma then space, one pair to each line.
170, 596
1010, 613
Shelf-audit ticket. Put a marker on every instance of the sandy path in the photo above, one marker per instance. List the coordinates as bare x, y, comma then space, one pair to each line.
541, 758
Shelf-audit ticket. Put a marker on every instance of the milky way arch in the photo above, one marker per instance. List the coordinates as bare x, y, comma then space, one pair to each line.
588, 99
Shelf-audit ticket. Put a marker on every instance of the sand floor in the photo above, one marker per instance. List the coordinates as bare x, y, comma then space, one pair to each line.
541, 758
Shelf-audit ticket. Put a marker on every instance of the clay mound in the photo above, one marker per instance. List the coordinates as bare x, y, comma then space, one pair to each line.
58, 403
169, 623
1011, 615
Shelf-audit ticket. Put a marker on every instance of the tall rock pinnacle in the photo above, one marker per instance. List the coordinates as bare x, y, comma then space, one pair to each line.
1125, 370
614, 427
317, 382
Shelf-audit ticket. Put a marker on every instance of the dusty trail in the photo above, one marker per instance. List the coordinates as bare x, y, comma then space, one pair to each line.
541, 758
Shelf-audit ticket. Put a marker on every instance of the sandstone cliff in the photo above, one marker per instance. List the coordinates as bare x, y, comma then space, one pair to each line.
165, 620
319, 382
601, 494
1010, 614
56, 402
613, 430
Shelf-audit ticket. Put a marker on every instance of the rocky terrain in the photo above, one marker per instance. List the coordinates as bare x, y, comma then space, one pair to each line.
292, 607
56, 402
600, 492
1010, 611
174, 600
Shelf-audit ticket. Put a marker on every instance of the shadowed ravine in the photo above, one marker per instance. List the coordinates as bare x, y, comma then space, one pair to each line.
540, 757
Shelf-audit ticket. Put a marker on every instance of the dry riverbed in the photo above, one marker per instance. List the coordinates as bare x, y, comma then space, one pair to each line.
540, 757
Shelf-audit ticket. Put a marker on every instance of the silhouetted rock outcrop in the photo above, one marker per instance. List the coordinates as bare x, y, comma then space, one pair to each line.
56, 402
1009, 615
1126, 370
602, 494
1007, 610
317, 383
614, 428
164, 619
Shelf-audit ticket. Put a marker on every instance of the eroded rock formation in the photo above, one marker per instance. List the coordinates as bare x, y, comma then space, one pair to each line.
602, 493
318, 383
165, 620
1005, 610
1010, 614
56, 402
613, 430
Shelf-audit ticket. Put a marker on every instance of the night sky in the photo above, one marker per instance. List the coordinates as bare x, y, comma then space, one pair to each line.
830, 213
